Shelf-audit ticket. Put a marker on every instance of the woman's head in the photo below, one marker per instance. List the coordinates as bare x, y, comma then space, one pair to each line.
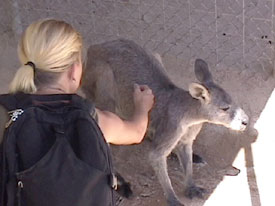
47, 49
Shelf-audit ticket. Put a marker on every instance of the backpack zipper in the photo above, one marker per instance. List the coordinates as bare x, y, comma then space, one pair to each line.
14, 114
19, 188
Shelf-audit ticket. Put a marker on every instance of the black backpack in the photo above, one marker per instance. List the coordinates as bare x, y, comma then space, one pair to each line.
53, 153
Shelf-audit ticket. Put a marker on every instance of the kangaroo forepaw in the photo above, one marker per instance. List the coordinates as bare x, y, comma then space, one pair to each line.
194, 191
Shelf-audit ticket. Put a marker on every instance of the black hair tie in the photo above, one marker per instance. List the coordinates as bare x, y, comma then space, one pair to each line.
31, 64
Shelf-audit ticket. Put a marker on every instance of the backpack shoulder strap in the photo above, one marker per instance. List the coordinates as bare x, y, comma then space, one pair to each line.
9, 101
3, 120
94, 115
85, 104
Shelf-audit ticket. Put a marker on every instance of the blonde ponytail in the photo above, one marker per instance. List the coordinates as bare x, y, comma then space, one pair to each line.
52, 46
23, 80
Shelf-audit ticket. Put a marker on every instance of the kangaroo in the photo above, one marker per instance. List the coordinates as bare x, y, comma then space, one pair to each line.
177, 116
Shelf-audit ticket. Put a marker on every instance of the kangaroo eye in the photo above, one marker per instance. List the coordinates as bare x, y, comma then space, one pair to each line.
225, 108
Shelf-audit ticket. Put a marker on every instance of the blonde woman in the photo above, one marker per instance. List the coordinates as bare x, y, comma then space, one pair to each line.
52, 153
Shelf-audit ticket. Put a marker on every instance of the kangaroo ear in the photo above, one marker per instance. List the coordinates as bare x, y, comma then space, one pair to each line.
199, 92
158, 57
202, 72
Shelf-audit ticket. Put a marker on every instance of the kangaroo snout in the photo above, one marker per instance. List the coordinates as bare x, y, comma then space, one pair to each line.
240, 120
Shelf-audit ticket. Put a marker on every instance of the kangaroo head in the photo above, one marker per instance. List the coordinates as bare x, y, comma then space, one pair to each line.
216, 105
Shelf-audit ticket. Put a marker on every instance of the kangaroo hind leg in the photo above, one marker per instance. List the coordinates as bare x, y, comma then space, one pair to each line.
159, 164
184, 153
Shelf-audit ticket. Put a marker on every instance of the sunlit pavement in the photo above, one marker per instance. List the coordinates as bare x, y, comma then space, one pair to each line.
254, 186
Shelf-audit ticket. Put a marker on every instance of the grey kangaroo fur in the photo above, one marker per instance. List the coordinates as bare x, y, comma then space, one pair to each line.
177, 116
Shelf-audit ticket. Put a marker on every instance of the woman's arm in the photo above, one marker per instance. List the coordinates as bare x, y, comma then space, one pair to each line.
125, 132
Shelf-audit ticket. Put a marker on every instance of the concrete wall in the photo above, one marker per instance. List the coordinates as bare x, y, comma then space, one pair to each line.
232, 34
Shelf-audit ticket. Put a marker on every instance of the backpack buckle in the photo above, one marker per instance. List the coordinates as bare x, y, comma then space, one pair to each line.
14, 114
114, 181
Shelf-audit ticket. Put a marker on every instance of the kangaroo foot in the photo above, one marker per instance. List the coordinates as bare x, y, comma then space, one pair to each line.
194, 191
174, 202
198, 159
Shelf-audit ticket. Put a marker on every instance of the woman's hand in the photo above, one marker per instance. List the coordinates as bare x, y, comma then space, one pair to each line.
143, 98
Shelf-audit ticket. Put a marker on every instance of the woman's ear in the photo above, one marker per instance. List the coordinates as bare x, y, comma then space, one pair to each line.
199, 92
74, 75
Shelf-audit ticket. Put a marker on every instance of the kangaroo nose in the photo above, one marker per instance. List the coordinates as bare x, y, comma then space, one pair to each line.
244, 122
